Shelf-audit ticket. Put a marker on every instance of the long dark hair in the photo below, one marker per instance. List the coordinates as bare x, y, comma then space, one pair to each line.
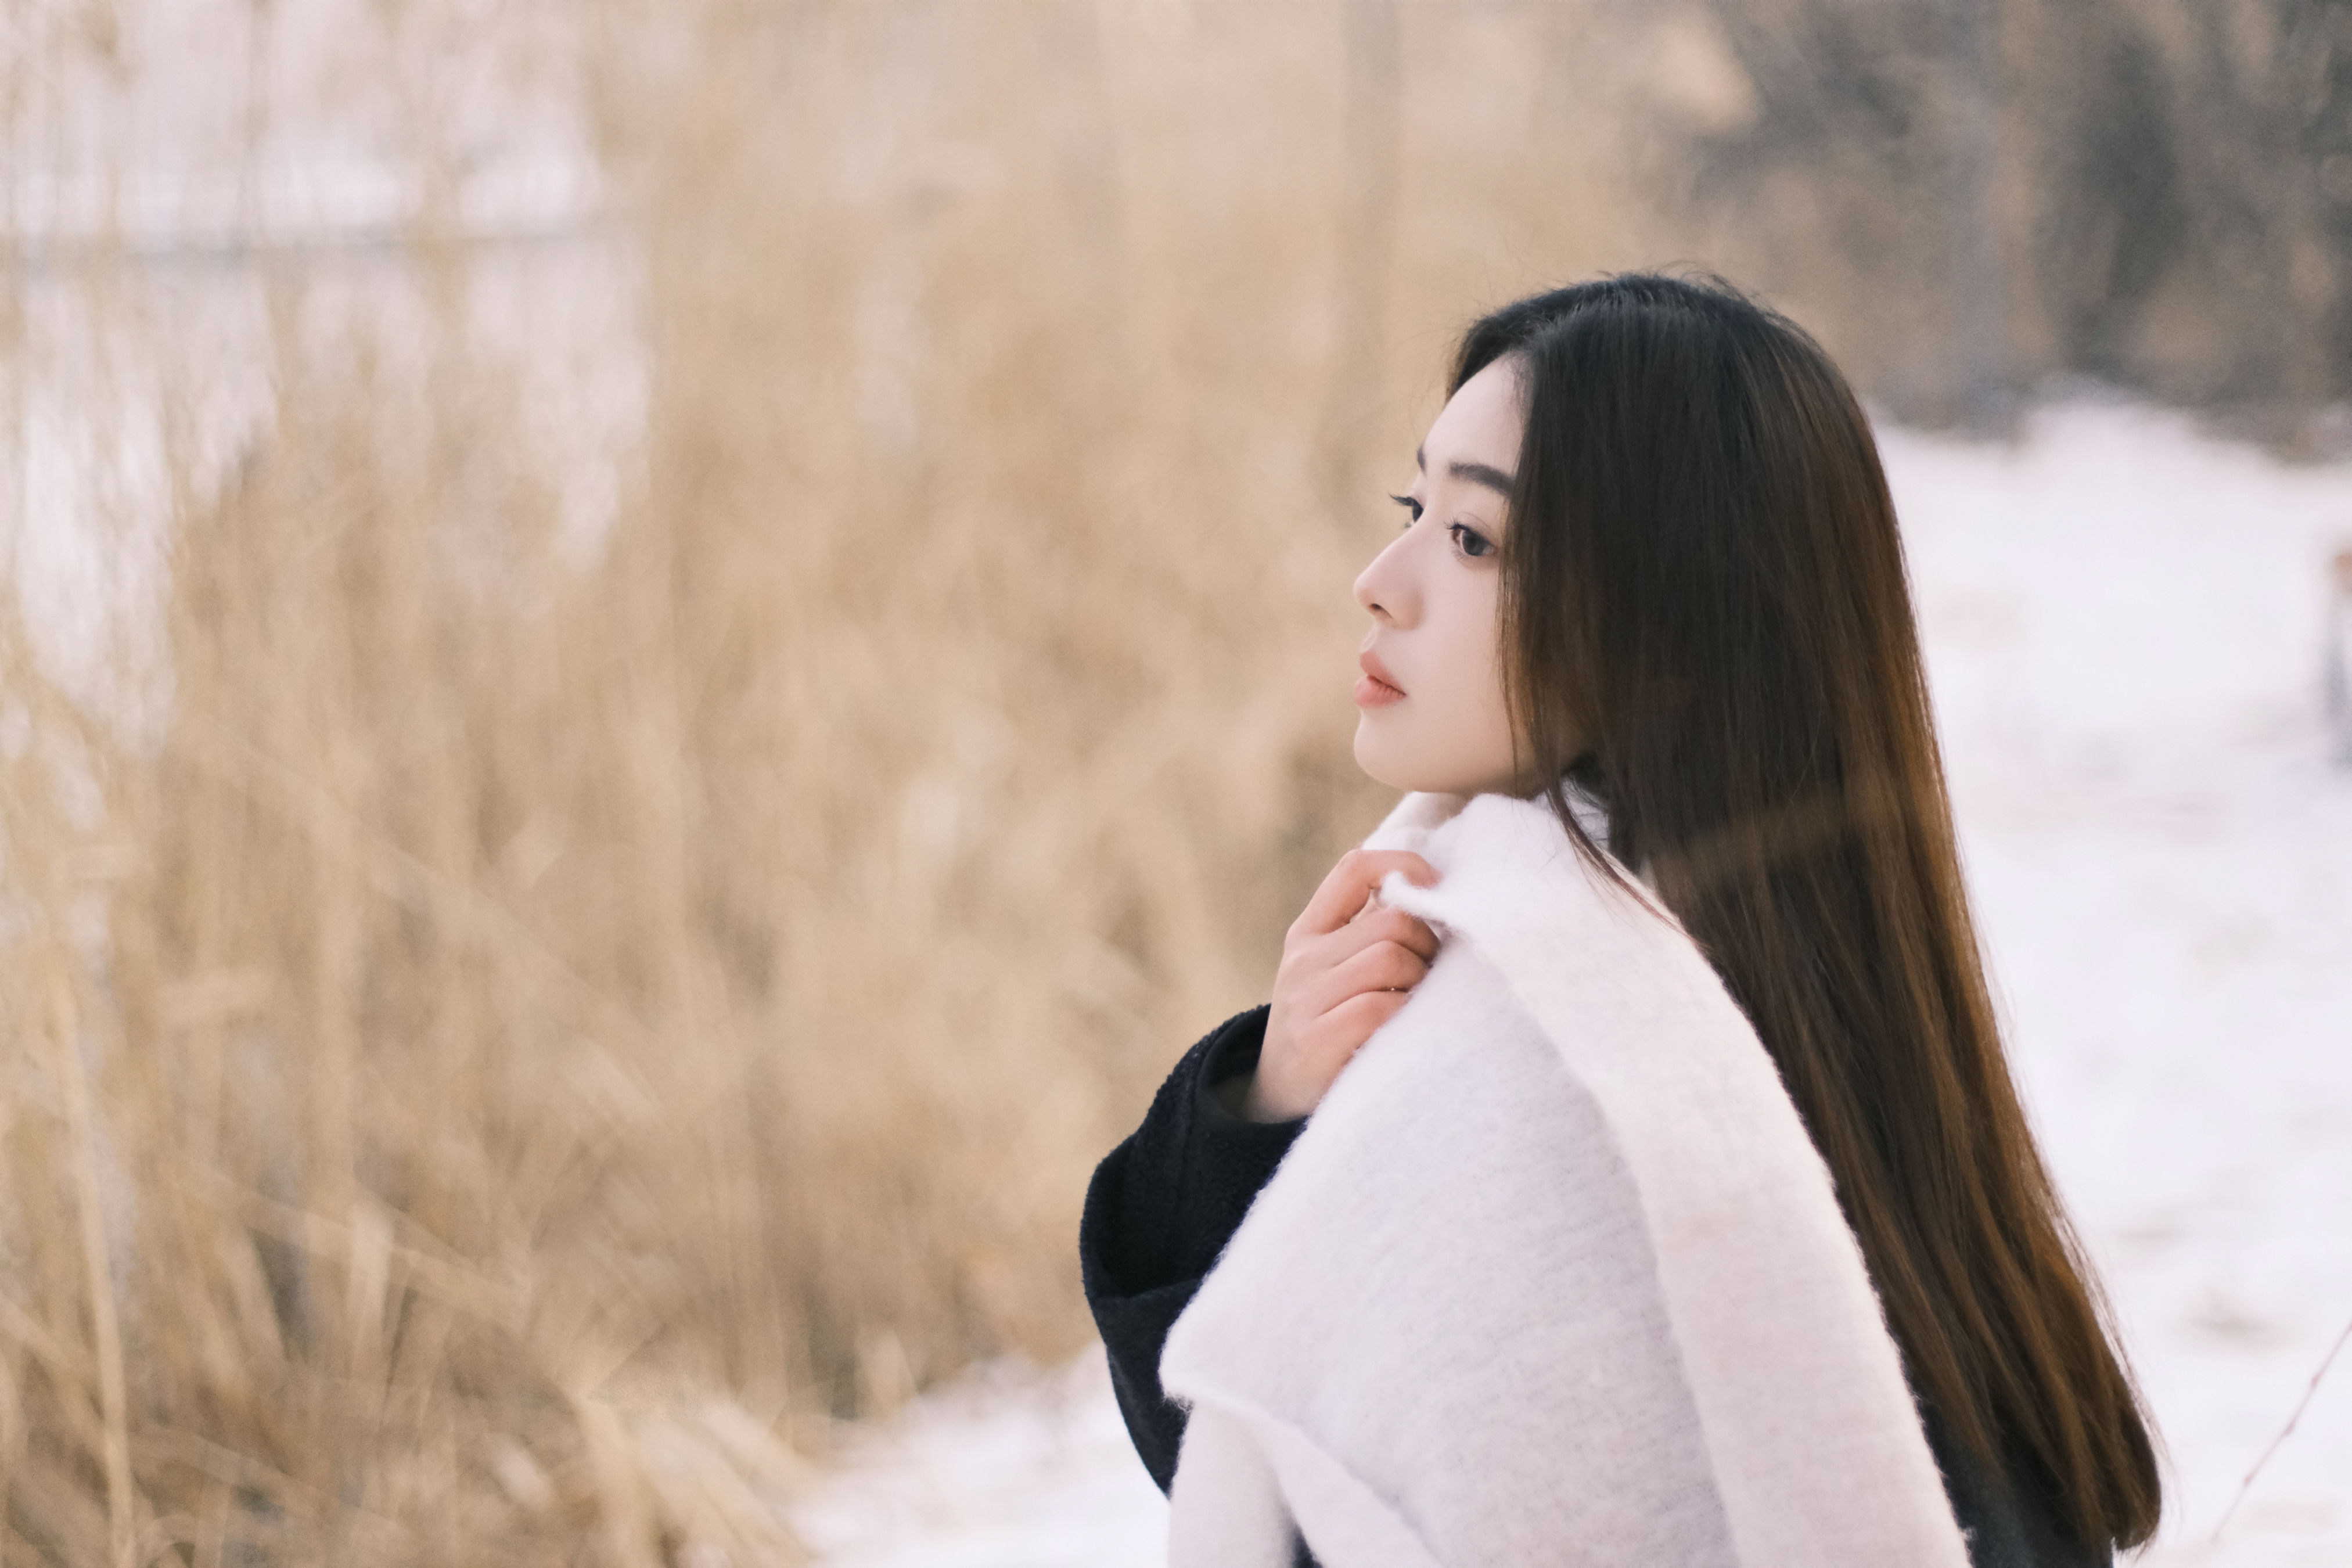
1706, 620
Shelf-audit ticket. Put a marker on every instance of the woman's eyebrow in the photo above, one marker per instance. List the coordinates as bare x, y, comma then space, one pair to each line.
1493, 478
1486, 474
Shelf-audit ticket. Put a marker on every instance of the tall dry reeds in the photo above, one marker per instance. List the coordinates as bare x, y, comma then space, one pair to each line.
638, 795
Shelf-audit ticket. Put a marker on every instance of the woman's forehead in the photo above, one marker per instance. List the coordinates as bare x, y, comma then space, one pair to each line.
1479, 424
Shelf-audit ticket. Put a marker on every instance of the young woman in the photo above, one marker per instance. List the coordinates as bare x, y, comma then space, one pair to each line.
1625, 1169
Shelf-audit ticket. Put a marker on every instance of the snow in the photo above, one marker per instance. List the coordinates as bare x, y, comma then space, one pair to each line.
2124, 620
1009, 1467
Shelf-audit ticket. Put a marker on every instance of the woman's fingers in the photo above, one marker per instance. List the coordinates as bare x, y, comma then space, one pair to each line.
1295, 1085
1354, 1020
1348, 964
1378, 925
1383, 966
1351, 881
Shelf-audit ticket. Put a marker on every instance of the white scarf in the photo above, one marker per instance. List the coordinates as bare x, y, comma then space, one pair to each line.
1553, 1274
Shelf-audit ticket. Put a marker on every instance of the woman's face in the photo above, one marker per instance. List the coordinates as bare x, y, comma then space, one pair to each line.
1431, 696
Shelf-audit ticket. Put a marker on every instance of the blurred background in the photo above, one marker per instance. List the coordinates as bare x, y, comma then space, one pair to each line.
662, 654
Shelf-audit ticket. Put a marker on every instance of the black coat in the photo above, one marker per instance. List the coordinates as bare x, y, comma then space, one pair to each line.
1164, 1202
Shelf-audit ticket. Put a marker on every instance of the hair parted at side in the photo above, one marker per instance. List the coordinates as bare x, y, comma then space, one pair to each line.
1705, 617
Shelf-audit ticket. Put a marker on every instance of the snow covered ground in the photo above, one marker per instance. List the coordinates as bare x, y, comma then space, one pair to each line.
2124, 620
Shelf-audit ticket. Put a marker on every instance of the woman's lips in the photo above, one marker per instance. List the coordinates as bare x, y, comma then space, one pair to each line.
1376, 689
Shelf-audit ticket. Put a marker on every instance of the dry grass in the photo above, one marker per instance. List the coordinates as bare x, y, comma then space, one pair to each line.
672, 786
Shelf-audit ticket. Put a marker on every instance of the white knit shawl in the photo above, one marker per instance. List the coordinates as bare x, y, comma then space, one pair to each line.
1553, 1275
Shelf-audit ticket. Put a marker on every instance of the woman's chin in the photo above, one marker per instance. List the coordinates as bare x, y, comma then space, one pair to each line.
1402, 768
1377, 755
1371, 756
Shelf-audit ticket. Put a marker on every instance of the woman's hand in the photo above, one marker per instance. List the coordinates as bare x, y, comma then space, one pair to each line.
1348, 964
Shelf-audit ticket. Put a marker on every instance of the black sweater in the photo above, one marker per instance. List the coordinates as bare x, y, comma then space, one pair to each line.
1164, 1202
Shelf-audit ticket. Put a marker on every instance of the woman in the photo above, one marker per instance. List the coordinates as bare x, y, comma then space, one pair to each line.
1683, 1208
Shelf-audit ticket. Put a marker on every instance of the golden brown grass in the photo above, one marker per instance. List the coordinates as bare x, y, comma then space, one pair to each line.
514, 1025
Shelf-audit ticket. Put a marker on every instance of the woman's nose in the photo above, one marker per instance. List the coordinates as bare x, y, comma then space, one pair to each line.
1384, 588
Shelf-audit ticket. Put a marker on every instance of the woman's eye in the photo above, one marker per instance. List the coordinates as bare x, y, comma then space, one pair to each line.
1470, 541
1412, 507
